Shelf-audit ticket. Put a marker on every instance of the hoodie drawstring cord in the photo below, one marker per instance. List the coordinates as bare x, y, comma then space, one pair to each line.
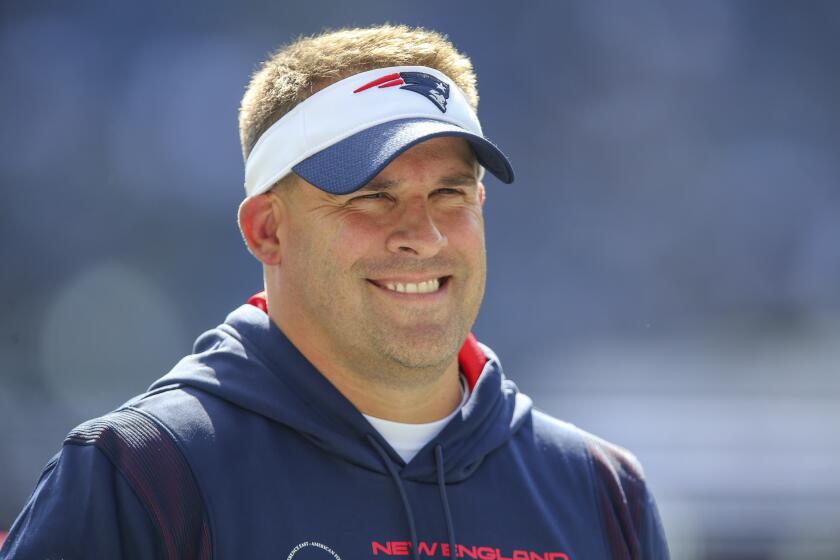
398, 481
441, 480
450, 527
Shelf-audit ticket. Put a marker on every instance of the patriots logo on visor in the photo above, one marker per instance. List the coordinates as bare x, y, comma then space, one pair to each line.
430, 87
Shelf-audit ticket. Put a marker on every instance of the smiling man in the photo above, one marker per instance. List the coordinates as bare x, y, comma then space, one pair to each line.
347, 411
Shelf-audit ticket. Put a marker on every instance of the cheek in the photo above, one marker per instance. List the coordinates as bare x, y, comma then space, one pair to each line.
465, 227
310, 257
357, 236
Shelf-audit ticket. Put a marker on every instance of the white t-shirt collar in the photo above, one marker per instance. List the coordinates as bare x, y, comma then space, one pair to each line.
408, 439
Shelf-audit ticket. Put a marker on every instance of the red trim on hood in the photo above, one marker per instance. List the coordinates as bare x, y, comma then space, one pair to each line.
472, 360
259, 301
471, 357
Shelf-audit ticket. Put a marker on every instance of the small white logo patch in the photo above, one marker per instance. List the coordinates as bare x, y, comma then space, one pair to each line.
312, 544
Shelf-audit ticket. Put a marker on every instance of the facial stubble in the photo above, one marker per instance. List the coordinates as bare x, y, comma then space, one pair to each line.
407, 351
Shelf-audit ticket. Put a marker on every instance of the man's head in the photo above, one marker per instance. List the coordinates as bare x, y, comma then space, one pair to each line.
365, 198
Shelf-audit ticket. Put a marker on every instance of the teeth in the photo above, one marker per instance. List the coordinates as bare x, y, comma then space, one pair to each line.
426, 287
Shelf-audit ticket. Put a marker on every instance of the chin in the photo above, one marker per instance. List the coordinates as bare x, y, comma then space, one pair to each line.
429, 348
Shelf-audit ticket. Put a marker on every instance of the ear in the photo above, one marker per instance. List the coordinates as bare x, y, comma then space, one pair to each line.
260, 220
482, 194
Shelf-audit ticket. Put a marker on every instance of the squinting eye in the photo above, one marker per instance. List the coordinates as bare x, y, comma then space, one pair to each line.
448, 190
371, 196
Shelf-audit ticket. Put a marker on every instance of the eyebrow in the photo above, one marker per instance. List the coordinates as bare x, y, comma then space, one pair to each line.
379, 185
460, 179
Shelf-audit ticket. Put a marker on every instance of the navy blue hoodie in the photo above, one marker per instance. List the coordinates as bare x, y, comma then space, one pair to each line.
245, 451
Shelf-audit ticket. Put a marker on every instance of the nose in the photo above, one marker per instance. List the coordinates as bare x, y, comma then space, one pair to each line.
415, 232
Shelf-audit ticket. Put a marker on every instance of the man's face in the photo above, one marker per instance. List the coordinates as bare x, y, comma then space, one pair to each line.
390, 276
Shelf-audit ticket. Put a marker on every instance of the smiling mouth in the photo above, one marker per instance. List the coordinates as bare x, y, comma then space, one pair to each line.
425, 287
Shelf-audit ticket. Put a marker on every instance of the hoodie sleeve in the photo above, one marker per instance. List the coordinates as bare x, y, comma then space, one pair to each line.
628, 510
120, 489
82, 507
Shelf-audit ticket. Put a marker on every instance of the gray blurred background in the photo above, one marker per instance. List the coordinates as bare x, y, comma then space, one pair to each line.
665, 272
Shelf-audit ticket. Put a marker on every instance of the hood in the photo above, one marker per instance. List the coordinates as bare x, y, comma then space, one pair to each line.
250, 363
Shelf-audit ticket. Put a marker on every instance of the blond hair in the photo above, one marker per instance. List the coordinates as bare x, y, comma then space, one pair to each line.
309, 64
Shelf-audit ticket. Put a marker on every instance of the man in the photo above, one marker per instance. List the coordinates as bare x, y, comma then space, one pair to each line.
347, 411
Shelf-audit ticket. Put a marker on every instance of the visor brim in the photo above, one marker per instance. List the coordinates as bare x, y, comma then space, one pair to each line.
348, 165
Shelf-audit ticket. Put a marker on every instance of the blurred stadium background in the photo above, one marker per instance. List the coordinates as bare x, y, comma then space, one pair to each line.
665, 272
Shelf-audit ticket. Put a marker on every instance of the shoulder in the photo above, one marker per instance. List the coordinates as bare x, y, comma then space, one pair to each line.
598, 452
130, 438
137, 491
608, 463
136, 431
628, 512
143, 450
147, 455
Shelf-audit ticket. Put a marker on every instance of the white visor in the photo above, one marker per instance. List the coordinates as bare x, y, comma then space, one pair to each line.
341, 137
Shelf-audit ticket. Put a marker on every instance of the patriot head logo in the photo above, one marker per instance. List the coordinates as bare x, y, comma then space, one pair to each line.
430, 87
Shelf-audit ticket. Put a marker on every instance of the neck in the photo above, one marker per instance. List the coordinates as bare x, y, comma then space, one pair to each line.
410, 405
